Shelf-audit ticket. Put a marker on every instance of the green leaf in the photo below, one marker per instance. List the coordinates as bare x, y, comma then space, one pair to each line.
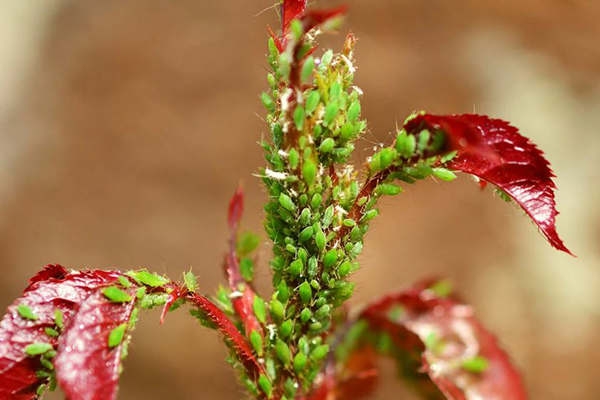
116, 295
26, 312
116, 336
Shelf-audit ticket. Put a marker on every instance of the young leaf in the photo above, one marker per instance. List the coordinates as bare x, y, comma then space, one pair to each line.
460, 356
495, 152
54, 296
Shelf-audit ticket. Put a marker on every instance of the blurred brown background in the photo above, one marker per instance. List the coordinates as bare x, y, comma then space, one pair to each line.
125, 125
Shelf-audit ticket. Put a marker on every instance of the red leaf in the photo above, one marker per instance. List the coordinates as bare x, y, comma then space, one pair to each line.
454, 338
314, 18
290, 10
51, 289
495, 152
86, 368
228, 329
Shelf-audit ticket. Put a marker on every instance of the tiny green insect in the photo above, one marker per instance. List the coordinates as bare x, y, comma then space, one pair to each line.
116, 295
116, 336
26, 312
36, 349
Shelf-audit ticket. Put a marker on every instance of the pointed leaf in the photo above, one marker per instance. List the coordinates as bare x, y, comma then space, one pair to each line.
495, 152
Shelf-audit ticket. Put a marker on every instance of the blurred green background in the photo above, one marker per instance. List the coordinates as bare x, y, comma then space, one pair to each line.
125, 125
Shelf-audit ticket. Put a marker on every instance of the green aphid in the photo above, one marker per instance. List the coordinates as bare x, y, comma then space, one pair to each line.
265, 385
51, 332
303, 199
289, 388
305, 292
347, 131
438, 141
150, 279
305, 315
317, 131
345, 268
312, 101
257, 342
320, 239
296, 268
354, 111
36, 349
327, 216
268, 102
283, 293
424, 138
349, 222
286, 202
126, 283
299, 117
406, 144
389, 189
315, 327
327, 145
345, 290
247, 243
369, 215
260, 309
58, 318
116, 295
375, 163
449, 157
300, 361
286, 328
305, 216
330, 258
135, 313
277, 135
477, 364
277, 310
503, 195
191, 283
335, 91
247, 269
296, 29
316, 201
273, 50
140, 293
116, 336
293, 155
309, 171
271, 81
331, 111
26, 312
323, 311
312, 267
319, 352
283, 352
41, 389
290, 248
305, 234
326, 59
307, 68
442, 288
444, 174
386, 157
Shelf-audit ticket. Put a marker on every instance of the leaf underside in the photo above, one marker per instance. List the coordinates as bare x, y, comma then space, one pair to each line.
495, 151
437, 341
